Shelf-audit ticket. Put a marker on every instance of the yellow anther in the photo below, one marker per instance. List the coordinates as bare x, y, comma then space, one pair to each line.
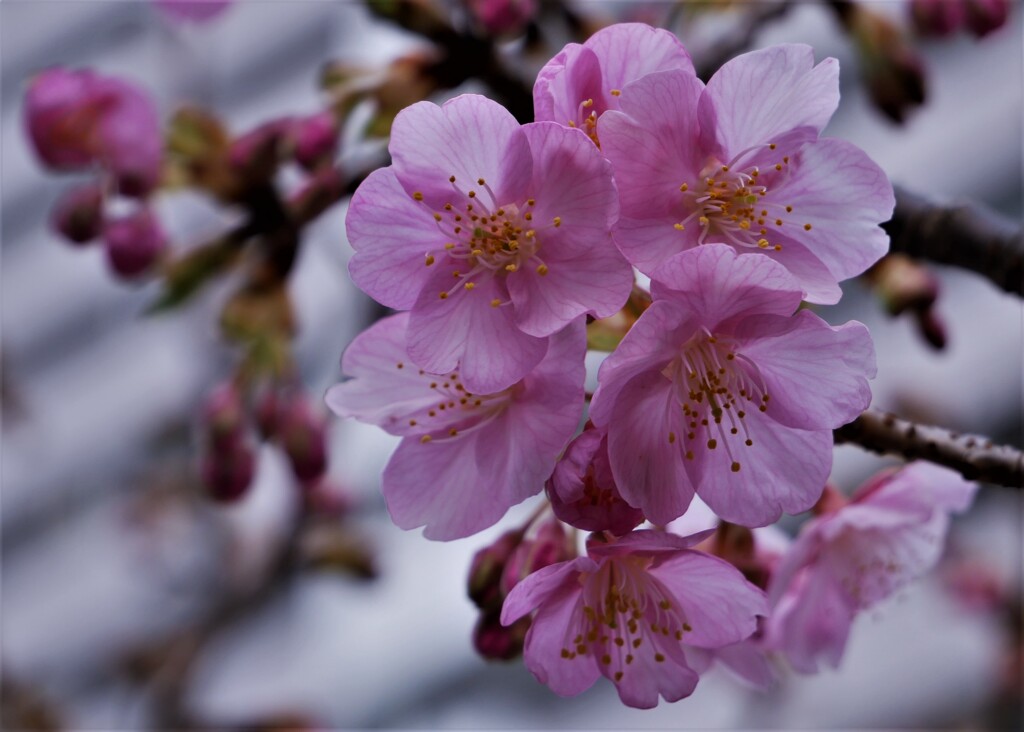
671, 437
471, 194
704, 220
530, 202
418, 196
778, 166
684, 188
789, 209
571, 123
659, 658
679, 227
763, 243
558, 221
511, 267
725, 168
735, 467
542, 270
452, 179
744, 224
449, 245
772, 146
778, 222
495, 302
437, 217
477, 252
453, 432
807, 227
588, 104
614, 92
469, 285
425, 439
481, 182
528, 216
430, 259
444, 295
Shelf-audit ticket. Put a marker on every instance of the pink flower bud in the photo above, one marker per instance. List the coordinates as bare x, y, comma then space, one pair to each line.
551, 545
129, 139
268, 408
937, 17
832, 499
495, 642
903, 284
62, 108
78, 214
227, 468
502, 17
223, 416
932, 328
582, 490
487, 568
134, 243
985, 16
315, 139
257, 153
302, 432
192, 11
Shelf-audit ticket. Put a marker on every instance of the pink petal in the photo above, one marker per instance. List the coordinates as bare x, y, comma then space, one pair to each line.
464, 331
645, 448
392, 236
837, 189
646, 543
470, 137
571, 77
922, 485
720, 286
748, 661
816, 374
820, 286
812, 623
645, 679
714, 598
649, 242
650, 345
630, 51
775, 95
549, 634
783, 471
537, 588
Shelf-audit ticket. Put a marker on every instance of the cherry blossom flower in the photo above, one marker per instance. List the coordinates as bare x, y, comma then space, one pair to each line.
631, 611
192, 11
466, 456
740, 162
891, 532
493, 234
583, 81
718, 388
582, 489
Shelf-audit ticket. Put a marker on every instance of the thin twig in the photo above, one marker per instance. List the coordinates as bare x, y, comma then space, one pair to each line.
964, 235
974, 457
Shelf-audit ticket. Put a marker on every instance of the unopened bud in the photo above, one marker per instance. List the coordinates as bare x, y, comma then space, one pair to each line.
932, 328
227, 468
62, 108
892, 70
985, 16
268, 407
495, 642
256, 155
937, 17
223, 413
502, 17
302, 432
549, 546
832, 499
78, 213
904, 284
315, 140
192, 11
487, 568
129, 138
134, 243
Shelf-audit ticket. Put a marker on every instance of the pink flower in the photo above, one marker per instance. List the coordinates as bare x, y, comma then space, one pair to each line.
134, 243
892, 532
631, 611
739, 162
494, 235
466, 456
192, 11
583, 81
582, 489
500, 17
76, 118
719, 388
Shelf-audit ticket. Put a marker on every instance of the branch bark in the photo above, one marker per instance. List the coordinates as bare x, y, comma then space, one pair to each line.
964, 235
974, 457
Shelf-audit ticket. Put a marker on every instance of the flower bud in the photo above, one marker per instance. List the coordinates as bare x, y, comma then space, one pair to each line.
937, 17
487, 568
134, 243
549, 546
985, 16
227, 468
192, 11
315, 140
302, 432
62, 108
832, 499
932, 328
223, 417
78, 213
502, 17
582, 489
256, 155
892, 70
903, 284
268, 408
496, 642
129, 139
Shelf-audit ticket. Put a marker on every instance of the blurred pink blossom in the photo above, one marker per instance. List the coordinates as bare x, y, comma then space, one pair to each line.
192, 11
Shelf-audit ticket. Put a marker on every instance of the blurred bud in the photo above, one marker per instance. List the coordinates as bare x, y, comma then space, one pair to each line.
62, 108
78, 213
932, 328
223, 415
582, 489
408, 80
904, 284
268, 406
134, 243
256, 155
337, 548
326, 498
495, 642
192, 11
129, 138
228, 467
315, 140
891, 67
324, 188
486, 570
549, 546
985, 16
502, 17
937, 17
302, 432
832, 499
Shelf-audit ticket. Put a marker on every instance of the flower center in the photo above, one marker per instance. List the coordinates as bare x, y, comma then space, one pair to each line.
716, 386
485, 238
625, 612
731, 203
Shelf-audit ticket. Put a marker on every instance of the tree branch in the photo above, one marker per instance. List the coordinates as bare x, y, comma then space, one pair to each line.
964, 235
974, 457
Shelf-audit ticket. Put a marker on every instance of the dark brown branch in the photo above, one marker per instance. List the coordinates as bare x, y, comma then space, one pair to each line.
974, 457
964, 235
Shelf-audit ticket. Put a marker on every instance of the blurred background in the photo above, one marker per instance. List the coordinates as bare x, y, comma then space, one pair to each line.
130, 600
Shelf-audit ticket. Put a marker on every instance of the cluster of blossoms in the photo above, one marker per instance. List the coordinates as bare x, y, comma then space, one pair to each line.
498, 241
